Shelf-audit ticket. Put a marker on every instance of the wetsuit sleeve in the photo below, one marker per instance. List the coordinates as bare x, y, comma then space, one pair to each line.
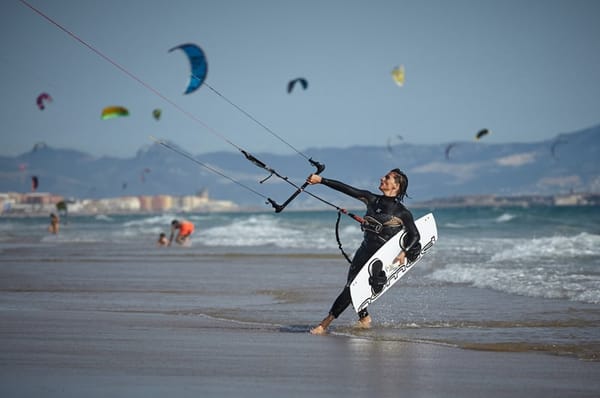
412, 236
360, 194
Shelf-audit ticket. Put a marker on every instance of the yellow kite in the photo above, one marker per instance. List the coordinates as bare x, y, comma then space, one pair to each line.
398, 75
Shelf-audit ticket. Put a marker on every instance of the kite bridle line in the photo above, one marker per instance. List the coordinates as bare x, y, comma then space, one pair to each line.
319, 166
248, 115
278, 208
206, 166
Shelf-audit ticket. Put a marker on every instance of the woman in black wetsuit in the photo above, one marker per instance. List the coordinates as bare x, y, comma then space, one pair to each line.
385, 217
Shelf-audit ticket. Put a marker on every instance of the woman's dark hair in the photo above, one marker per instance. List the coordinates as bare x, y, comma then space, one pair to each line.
402, 180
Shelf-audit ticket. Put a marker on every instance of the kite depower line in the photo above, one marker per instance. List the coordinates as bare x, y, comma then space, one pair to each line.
278, 208
272, 172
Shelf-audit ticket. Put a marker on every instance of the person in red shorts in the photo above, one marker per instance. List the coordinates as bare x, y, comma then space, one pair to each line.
184, 231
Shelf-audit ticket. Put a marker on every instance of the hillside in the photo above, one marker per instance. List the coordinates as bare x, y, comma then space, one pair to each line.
568, 162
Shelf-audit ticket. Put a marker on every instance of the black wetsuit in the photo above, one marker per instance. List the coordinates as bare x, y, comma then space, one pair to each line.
393, 216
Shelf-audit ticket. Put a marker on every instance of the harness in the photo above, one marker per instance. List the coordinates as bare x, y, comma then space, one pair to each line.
373, 225
382, 230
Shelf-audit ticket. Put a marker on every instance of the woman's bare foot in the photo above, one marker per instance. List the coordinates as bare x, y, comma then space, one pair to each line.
318, 330
322, 327
364, 323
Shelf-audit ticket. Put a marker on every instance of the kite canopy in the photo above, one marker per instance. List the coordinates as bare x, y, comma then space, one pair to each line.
143, 173
398, 75
393, 141
292, 84
556, 143
198, 65
112, 112
482, 133
43, 97
156, 113
448, 148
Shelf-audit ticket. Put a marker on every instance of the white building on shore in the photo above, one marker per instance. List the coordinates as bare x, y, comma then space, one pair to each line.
45, 203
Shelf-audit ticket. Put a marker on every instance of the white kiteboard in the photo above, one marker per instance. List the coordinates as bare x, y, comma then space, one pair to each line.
368, 285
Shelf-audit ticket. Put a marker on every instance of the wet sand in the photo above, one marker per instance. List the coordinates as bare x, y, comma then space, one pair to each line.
76, 327
100, 354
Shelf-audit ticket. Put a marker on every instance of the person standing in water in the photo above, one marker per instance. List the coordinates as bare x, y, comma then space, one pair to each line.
162, 240
385, 217
184, 231
54, 224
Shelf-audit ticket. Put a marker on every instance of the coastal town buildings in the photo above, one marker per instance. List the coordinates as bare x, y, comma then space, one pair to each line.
40, 203
12, 203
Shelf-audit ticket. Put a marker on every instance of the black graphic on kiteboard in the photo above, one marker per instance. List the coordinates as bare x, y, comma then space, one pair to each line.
378, 277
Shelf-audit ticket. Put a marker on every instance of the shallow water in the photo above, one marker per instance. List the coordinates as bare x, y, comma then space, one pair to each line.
498, 279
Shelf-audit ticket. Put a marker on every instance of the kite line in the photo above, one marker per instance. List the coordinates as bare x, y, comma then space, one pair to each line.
278, 208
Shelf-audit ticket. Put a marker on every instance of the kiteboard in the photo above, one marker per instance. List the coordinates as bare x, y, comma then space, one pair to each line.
380, 272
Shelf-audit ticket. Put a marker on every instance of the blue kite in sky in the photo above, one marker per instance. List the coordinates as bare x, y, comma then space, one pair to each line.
198, 65
302, 81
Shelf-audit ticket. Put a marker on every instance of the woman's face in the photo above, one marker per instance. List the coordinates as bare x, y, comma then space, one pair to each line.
388, 184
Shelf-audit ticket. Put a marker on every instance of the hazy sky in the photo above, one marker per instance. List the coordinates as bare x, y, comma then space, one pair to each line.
526, 69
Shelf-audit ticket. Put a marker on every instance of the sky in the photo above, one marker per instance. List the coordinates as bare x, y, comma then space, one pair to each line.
525, 69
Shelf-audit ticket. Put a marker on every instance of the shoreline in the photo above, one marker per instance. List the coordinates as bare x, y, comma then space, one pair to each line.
94, 276
123, 318
125, 354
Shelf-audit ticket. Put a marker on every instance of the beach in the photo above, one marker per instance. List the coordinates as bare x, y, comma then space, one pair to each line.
97, 320
505, 304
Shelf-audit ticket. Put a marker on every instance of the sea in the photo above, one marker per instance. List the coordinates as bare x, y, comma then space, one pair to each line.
498, 279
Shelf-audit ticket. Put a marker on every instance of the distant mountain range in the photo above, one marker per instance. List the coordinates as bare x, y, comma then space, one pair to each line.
568, 162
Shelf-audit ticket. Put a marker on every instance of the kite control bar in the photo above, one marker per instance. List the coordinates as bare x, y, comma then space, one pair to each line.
257, 162
279, 208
